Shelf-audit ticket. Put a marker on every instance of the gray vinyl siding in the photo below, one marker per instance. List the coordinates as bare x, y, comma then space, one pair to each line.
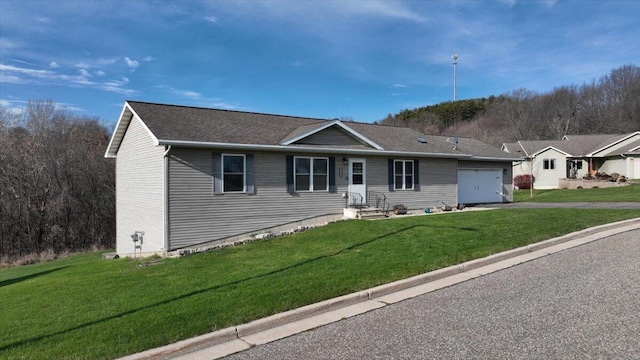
507, 174
197, 215
437, 182
139, 191
330, 136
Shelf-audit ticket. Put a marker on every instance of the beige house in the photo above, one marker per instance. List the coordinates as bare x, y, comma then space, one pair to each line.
189, 177
576, 156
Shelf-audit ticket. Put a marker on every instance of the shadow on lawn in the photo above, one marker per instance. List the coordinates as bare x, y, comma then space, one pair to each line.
217, 287
4, 283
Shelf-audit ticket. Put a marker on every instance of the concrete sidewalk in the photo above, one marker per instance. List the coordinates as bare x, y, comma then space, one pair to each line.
235, 339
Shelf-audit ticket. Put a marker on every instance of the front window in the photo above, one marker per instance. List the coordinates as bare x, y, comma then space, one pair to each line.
311, 174
233, 169
403, 174
549, 164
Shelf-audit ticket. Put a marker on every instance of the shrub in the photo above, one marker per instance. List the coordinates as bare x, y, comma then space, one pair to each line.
524, 181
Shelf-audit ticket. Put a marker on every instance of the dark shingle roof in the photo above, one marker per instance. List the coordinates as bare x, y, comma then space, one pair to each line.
574, 145
172, 123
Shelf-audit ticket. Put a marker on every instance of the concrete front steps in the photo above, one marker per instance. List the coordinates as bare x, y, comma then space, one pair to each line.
369, 213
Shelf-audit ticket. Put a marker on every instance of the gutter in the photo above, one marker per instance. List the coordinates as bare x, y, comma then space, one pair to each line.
165, 220
256, 147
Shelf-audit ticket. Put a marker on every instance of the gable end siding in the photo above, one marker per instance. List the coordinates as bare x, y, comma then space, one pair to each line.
330, 136
139, 191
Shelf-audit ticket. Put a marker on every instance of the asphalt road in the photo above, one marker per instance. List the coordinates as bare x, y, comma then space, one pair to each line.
581, 303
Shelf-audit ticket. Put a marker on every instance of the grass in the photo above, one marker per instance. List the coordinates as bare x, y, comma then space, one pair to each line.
87, 308
630, 193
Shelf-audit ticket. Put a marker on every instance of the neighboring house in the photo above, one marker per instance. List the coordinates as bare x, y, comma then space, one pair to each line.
189, 176
576, 156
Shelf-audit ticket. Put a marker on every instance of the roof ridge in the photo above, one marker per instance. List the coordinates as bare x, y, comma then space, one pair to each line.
227, 110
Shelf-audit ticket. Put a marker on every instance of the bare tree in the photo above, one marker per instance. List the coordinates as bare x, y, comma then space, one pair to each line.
56, 189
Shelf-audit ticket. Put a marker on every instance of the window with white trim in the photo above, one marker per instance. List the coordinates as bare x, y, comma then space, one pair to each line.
233, 173
311, 174
549, 164
403, 174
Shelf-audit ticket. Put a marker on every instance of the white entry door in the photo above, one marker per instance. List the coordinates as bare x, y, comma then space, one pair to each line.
357, 182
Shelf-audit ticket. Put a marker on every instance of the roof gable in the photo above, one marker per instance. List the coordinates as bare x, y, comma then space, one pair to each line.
613, 144
512, 148
550, 148
336, 133
124, 120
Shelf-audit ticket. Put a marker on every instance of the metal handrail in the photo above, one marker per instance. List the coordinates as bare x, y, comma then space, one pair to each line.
358, 203
380, 200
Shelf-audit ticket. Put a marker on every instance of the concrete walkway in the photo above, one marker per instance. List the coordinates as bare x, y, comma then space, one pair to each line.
235, 339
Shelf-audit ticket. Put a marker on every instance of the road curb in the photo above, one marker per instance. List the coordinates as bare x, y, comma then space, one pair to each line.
240, 331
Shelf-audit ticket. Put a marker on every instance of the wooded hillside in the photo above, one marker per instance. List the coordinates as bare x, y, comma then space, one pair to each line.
609, 105
56, 188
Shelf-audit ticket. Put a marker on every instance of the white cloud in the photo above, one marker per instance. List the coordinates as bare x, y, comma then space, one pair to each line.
184, 93
96, 63
211, 18
384, 9
398, 86
54, 65
23, 62
149, 58
6, 44
131, 63
18, 75
100, 73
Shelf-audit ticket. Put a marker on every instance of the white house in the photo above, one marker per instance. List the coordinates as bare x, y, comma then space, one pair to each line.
576, 156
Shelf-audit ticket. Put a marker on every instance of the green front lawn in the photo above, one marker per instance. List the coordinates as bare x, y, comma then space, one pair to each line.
630, 193
85, 307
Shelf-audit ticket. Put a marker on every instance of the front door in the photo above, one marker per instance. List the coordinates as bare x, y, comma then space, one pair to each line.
357, 182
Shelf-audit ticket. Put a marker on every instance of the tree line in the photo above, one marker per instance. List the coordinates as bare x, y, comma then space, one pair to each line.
609, 105
57, 190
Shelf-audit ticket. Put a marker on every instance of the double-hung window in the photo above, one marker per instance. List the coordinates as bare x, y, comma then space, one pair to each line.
403, 174
549, 164
233, 173
311, 174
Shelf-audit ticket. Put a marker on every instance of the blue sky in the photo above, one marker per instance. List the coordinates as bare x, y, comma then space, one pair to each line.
325, 59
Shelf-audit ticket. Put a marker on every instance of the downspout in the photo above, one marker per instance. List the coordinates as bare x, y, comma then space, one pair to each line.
165, 168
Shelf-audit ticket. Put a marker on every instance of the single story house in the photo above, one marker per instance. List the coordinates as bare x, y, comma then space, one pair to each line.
575, 156
188, 176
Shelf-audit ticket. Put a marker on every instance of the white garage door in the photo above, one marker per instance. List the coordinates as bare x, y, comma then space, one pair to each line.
636, 168
479, 186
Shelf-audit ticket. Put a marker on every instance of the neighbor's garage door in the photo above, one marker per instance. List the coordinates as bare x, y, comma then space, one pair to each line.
479, 186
